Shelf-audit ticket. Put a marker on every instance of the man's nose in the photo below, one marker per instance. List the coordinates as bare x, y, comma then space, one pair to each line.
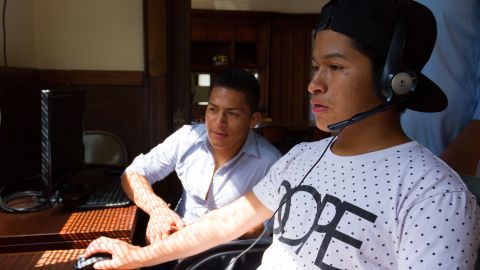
222, 118
317, 83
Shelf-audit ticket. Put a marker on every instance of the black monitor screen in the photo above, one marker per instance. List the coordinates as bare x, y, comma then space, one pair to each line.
62, 150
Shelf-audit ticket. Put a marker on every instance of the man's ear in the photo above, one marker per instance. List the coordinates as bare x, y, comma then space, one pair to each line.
255, 118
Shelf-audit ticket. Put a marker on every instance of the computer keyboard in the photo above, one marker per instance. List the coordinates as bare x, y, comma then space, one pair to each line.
108, 193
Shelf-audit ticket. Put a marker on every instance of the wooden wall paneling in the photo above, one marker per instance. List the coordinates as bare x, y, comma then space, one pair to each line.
92, 77
288, 90
301, 62
119, 110
290, 50
277, 63
157, 97
221, 33
264, 60
199, 32
179, 62
167, 64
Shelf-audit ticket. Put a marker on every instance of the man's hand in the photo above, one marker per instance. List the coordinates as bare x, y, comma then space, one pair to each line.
163, 222
123, 254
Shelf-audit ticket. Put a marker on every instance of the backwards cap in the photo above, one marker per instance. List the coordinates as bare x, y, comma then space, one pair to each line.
373, 21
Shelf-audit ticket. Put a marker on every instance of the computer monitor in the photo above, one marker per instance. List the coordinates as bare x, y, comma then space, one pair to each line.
62, 150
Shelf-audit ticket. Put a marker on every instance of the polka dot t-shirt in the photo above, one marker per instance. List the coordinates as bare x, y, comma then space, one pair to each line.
397, 208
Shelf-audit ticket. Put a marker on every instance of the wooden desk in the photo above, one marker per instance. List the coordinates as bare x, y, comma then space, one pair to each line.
44, 260
55, 228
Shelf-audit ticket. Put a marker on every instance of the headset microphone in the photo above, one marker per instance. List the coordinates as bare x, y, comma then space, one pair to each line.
359, 116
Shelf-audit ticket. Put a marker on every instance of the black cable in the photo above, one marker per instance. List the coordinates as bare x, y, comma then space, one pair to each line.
4, 34
38, 197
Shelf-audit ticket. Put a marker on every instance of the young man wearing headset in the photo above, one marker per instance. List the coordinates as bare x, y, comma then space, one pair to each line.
367, 198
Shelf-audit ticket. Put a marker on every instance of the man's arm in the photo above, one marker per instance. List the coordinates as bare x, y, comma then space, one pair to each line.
463, 153
163, 221
216, 227
253, 232
139, 190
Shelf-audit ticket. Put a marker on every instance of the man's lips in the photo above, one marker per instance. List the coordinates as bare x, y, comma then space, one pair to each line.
317, 107
219, 133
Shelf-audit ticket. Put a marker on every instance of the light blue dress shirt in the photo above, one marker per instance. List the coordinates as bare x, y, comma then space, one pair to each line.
455, 66
188, 152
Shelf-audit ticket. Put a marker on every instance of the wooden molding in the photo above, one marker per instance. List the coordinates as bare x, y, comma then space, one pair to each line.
73, 77
92, 77
18, 75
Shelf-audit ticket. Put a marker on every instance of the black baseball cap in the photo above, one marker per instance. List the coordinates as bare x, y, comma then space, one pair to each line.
373, 21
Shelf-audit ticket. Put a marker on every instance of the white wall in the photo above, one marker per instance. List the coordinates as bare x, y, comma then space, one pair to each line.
75, 34
20, 34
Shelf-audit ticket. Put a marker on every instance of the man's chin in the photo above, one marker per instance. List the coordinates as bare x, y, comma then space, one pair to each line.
322, 126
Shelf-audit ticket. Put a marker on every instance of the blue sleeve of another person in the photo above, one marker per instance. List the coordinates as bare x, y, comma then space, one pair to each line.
454, 66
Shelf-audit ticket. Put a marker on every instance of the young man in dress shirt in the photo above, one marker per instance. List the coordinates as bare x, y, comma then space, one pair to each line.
216, 162
366, 198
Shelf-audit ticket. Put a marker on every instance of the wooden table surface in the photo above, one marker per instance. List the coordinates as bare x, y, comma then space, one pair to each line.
41, 260
56, 228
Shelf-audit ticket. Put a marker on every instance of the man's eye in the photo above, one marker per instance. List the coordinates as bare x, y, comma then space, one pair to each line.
314, 69
335, 67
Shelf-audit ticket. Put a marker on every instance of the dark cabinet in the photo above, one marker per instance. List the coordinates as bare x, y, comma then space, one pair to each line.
277, 47
239, 39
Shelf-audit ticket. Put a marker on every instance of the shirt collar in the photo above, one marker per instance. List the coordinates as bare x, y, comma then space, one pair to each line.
251, 144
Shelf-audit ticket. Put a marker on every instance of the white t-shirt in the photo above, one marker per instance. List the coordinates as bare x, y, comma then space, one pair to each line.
397, 208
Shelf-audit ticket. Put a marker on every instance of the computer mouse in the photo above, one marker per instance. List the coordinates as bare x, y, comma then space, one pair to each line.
87, 263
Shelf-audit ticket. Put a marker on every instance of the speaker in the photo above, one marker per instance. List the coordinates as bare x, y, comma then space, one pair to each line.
395, 81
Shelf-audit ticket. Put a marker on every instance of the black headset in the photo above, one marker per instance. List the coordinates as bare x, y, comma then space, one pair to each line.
395, 81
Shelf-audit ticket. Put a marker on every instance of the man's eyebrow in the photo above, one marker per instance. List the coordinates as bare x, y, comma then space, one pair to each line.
235, 109
227, 109
335, 55
331, 56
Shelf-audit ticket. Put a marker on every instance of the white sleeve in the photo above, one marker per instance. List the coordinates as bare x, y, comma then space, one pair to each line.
441, 232
161, 160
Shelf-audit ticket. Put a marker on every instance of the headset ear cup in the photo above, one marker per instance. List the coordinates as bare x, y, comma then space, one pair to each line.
403, 83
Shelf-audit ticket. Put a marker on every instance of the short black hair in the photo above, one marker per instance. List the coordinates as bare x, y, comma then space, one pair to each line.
242, 81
